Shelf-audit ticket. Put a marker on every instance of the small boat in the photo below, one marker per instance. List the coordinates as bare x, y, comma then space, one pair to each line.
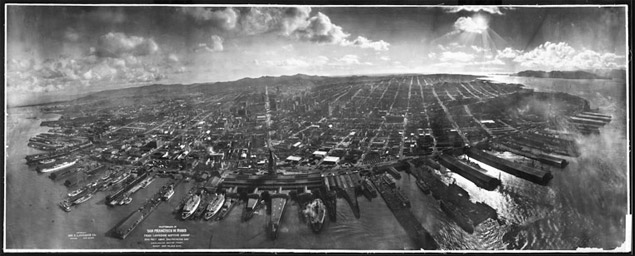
127, 200
65, 205
48, 161
76, 192
147, 182
227, 207
169, 192
83, 199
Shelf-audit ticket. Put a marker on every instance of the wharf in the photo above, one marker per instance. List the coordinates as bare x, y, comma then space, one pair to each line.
331, 204
279, 204
43, 146
456, 200
419, 235
34, 159
533, 142
120, 193
274, 182
127, 225
538, 176
474, 175
543, 158
346, 186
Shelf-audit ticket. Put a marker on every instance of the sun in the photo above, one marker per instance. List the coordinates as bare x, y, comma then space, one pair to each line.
480, 23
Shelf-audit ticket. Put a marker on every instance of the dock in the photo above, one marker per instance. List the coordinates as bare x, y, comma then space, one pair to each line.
128, 224
469, 172
346, 189
455, 201
415, 230
543, 158
110, 199
278, 206
538, 176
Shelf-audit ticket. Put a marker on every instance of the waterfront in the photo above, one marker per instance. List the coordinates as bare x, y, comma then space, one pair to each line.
584, 205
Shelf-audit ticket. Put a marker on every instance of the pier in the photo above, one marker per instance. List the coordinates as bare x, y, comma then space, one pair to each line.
546, 159
538, 176
469, 172
419, 235
127, 225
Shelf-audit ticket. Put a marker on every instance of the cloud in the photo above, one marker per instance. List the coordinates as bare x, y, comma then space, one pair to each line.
384, 58
561, 56
478, 49
488, 9
71, 35
294, 18
172, 58
472, 25
214, 45
456, 57
508, 53
364, 43
284, 21
291, 22
119, 44
223, 18
312, 63
348, 59
107, 15
217, 43
288, 47
321, 30
294, 63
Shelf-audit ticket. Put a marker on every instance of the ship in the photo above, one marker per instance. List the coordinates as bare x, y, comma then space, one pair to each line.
389, 180
227, 207
315, 213
76, 192
48, 161
253, 202
83, 199
278, 204
147, 182
121, 178
169, 192
190, 206
368, 189
65, 205
425, 188
214, 206
59, 166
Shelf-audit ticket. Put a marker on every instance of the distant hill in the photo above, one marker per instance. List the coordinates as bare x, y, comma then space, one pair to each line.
298, 82
561, 74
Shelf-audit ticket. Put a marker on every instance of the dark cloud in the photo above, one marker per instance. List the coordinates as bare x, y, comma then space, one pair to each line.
222, 18
215, 44
118, 44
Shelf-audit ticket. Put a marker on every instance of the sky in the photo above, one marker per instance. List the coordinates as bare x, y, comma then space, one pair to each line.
74, 48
